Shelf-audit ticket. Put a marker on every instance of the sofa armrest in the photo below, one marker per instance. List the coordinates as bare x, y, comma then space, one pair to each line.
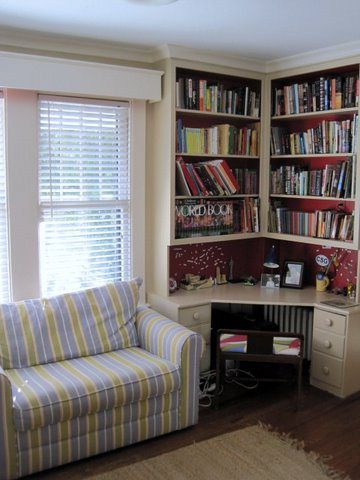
8, 449
173, 342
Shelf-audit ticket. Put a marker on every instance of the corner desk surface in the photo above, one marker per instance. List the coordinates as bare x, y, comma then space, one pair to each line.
255, 295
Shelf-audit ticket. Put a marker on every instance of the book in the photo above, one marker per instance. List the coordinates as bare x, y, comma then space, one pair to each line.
197, 217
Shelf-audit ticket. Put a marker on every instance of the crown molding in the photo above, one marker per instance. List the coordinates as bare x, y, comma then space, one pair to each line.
193, 54
12, 38
337, 52
27, 41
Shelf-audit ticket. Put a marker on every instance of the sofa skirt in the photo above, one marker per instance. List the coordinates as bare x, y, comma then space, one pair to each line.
89, 435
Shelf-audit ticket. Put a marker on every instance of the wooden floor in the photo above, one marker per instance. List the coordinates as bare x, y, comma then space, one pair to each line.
326, 424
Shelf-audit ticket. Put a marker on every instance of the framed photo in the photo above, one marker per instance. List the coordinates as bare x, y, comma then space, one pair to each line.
293, 274
269, 280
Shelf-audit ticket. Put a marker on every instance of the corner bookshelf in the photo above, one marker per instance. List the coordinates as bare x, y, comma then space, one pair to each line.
217, 157
206, 132
313, 190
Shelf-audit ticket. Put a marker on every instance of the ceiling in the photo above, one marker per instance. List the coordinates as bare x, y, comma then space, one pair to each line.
259, 29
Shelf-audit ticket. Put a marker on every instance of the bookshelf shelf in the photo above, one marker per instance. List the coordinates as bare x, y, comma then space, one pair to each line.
313, 155
312, 197
338, 112
215, 238
210, 155
311, 240
209, 197
230, 116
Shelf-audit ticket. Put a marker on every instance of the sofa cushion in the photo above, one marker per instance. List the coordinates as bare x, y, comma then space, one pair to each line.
47, 394
72, 325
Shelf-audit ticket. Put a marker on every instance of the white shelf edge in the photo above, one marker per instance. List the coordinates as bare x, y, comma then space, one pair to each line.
314, 155
209, 197
299, 116
216, 155
310, 197
311, 240
214, 238
217, 114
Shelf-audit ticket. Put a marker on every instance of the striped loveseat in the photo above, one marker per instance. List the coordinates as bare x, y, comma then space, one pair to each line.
87, 372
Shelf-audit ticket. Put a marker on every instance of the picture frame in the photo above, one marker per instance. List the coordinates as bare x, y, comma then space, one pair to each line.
270, 280
293, 275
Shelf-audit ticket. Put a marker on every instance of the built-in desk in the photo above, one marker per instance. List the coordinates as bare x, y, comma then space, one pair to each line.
335, 355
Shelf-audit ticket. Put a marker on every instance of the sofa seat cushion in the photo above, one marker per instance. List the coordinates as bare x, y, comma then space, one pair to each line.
55, 392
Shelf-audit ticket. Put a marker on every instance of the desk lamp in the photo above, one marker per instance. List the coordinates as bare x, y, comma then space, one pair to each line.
271, 261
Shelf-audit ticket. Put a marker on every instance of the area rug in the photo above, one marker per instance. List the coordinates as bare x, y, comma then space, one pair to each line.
253, 453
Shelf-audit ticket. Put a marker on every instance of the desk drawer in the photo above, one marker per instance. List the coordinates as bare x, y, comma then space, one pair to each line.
195, 315
328, 343
329, 321
327, 369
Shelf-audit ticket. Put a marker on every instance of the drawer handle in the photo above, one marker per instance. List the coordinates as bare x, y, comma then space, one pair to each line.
326, 370
327, 344
328, 322
196, 316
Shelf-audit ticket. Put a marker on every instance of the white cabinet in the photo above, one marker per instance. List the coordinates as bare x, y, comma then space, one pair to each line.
335, 358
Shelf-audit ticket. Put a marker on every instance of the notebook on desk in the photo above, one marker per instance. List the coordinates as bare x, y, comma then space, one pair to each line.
339, 303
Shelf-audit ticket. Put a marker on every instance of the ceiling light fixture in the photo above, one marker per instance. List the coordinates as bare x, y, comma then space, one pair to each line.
152, 2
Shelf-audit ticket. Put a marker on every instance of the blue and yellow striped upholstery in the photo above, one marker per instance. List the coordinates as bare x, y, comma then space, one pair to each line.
47, 394
172, 341
8, 466
82, 437
92, 321
54, 412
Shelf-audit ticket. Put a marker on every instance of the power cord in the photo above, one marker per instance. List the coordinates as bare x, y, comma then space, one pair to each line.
236, 375
207, 384
207, 388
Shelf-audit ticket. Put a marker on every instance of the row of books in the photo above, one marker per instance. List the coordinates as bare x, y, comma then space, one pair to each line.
198, 218
335, 180
213, 177
330, 224
223, 139
324, 93
327, 137
208, 96
248, 180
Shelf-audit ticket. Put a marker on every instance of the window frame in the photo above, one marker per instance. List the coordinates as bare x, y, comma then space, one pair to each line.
21, 132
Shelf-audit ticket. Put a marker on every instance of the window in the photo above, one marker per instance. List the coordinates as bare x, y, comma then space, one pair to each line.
4, 257
84, 188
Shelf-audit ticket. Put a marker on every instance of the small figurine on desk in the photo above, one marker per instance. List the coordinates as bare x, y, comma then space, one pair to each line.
220, 277
350, 290
195, 282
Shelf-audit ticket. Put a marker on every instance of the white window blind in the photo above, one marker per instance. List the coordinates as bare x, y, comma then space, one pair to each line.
84, 184
4, 256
